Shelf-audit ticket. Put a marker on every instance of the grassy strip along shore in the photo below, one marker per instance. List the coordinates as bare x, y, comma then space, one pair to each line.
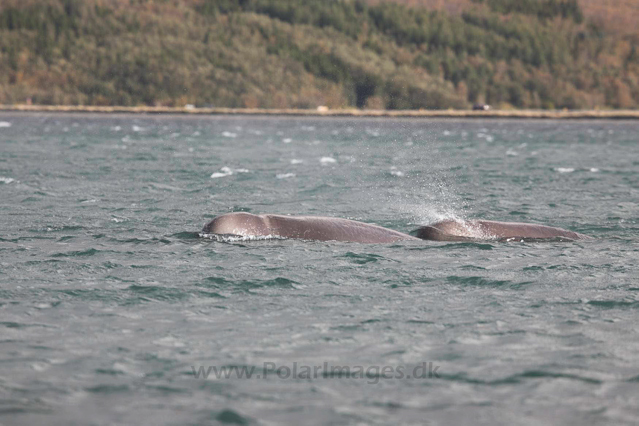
449, 113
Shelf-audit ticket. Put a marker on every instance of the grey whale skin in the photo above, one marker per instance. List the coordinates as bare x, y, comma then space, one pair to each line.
302, 227
473, 230
335, 229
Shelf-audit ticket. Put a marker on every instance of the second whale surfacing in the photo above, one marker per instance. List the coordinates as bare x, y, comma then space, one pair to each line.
474, 230
319, 228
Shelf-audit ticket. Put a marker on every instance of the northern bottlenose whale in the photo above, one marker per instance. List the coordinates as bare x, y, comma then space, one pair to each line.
472, 230
335, 229
302, 227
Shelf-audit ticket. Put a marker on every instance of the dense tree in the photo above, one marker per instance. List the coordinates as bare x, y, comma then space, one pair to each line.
295, 53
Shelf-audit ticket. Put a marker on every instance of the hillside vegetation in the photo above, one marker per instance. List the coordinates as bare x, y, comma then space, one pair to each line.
302, 54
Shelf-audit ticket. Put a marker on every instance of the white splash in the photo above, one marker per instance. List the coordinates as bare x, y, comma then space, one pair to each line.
396, 172
227, 171
285, 175
137, 128
287, 140
565, 169
594, 169
239, 238
6, 179
328, 160
5, 124
229, 134
296, 161
512, 153
224, 171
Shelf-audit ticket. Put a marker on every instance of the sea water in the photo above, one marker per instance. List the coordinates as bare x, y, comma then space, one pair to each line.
113, 310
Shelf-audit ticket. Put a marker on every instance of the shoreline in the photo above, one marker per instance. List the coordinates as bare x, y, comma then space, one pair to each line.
530, 114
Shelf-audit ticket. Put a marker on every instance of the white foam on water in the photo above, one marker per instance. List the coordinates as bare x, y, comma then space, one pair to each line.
287, 140
6, 179
239, 238
296, 161
5, 124
328, 160
224, 171
227, 171
395, 172
565, 169
229, 134
594, 169
137, 128
219, 175
285, 175
512, 153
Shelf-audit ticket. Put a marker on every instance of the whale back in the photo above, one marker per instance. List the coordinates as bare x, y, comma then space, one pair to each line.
237, 224
302, 227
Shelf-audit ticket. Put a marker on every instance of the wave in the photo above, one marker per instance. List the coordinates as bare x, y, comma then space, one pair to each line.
230, 238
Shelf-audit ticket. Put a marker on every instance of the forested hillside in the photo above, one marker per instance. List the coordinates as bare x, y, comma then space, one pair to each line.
302, 54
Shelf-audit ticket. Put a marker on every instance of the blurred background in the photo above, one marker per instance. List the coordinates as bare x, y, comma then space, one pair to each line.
394, 54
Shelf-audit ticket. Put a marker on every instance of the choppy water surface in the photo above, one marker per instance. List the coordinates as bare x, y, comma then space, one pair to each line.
110, 302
